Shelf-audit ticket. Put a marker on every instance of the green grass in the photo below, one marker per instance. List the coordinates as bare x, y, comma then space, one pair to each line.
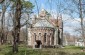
68, 50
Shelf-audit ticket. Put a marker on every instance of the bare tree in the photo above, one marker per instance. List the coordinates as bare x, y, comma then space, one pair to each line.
80, 11
21, 7
16, 28
3, 21
1, 1
81, 17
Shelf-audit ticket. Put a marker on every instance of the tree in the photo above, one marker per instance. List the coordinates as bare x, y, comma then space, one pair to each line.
16, 29
81, 17
1, 1
18, 8
80, 11
4, 6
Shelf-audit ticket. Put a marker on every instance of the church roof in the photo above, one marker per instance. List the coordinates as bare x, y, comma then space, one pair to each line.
43, 23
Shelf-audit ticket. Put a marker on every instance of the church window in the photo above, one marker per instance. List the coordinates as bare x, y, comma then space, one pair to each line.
35, 36
45, 37
39, 36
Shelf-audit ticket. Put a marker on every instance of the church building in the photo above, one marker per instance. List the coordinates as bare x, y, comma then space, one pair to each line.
44, 32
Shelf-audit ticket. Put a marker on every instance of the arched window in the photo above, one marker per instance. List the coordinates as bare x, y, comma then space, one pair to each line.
45, 37
35, 36
39, 36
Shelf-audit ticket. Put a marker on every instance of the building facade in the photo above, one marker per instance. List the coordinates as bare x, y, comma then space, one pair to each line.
42, 32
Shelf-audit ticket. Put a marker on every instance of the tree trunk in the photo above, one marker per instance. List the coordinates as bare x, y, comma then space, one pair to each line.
16, 30
3, 22
81, 17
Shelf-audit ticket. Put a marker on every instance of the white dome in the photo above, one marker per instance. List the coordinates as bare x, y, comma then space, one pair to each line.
42, 9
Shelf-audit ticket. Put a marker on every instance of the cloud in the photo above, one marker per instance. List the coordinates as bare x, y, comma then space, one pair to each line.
71, 24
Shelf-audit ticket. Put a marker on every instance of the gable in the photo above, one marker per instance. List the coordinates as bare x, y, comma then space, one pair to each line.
43, 23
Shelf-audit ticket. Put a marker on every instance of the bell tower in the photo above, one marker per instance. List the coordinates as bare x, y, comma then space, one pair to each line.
42, 13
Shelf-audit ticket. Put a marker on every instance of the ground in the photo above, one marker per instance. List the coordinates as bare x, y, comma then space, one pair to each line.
23, 50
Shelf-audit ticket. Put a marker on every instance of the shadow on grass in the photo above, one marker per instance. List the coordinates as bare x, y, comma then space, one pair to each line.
61, 53
74, 47
19, 53
23, 52
65, 53
37, 52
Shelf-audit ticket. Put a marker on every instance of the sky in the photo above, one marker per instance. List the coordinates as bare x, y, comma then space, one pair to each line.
53, 7
50, 5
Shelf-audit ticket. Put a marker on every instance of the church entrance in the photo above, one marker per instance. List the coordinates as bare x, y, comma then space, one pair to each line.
38, 44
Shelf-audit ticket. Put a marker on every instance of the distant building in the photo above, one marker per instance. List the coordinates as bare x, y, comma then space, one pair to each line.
79, 42
44, 32
72, 40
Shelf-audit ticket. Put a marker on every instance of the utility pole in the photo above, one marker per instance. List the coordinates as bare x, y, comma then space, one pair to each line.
81, 17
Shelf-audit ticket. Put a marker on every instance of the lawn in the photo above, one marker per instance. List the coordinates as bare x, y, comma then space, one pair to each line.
68, 50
